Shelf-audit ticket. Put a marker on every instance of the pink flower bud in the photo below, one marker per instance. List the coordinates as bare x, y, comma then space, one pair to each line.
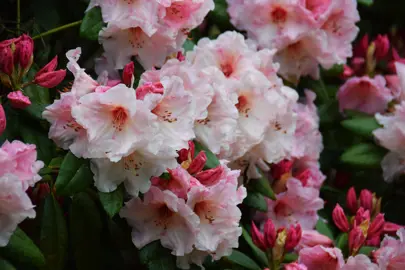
180, 57
339, 218
258, 237
311, 238
351, 200
143, 90
6, 60
184, 154
51, 66
293, 237
304, 176
376, 227
295, 266
366, 199
374, 241
391, 228
356, 239
3, 120
128, 74
270, 233
382, 46
279, 169
24, 51
361, 216
210, 177
347, 72
198, 163
360, 49
18, 100
50, 79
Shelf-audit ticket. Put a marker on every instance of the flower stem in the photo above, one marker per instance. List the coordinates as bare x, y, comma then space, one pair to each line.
57, 29
18, 16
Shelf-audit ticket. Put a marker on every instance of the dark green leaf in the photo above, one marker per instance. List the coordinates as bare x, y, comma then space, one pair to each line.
334, 71
324, 229
112, 202
262, 186
342, 242
290, 257
366, 250
86, 232
241, 259
364, 154
5, 265
256, 201
329, 112
74, 175
56, 163
54, 236
363, 126
188, 45
22, 251
39, 98
92, 24
366, 2
259, 254
157, 257
212, 160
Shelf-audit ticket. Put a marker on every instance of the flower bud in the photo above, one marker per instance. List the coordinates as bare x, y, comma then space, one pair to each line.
339, 218
391, 228
18, 100
258, 237
347, 72
356, 239
351, 200
50, 79
210, 177
186, 154
270, 233
311, 238
128, 74
143, 90
304, 176
6, 60
376, 227
366, 199
374, 241
3, 120
295, 266
382, 46
24, 51
293, 237
361, 216
180, 57
360, 49
198, 163
281, 168
51, 66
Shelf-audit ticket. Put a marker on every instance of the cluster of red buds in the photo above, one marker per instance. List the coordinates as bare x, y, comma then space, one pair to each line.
16, 58
276, 243
366, 225
283, 171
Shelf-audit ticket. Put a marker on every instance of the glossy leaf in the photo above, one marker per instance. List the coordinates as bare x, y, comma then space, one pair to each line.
324, 229
256, 201
241, 259
363, 126
212, 160
92, 24
259, 254
262, 186
364, 155
113, 201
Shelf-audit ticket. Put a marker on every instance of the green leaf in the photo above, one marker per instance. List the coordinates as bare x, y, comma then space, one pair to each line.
262, 186
54, 235
259, 254
188, 45
366, 250
342, 242
256, 201
364, 155
74, 175
290, 257
334, 71
86, 232
56, 163
363, 126
212, 160
113, 201
156, 257
39, 97
365, 2
22, 251
92, 24
324, 229
243, 260
5, 265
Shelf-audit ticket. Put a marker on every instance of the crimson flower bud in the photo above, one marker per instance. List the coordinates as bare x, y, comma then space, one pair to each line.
340, 219
361, 216
270, 233
6, 60
281, 168
360, 49
180, 57
258, 237
3, 120
374, 241
376, 227
128, 74
382, 46
356, 239
351, 200
210, 177
24, 51
347, 72
185, 154
51, 66
391, 228
143, 90
50, 79
18, 100
198, 163
366, 199
293, 237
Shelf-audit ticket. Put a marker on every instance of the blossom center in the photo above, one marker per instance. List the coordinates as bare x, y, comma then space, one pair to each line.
120, 117
243, 105
135, 37
204, 211
279, 15
227, 69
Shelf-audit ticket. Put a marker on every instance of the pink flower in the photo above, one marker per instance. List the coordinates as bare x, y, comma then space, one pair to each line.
20, 160
294, 266
311, 238
18, 100
3, 120
364, 94
359, 262
179, 183
320, 257
15, 206
162, 216
391, 254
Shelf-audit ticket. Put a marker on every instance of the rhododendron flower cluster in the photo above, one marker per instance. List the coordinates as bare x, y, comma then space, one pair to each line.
148, 29
18, 171
304, 33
